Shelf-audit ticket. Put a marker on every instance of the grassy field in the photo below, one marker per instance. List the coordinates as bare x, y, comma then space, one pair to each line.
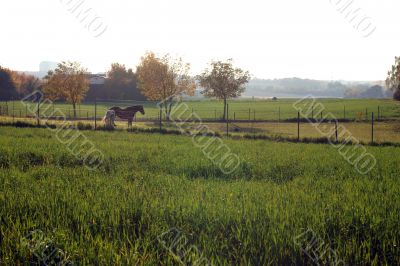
148, 184
384, 131
239, 109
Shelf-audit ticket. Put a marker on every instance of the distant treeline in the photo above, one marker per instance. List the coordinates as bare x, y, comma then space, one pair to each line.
120, 83
366, 91
14, 85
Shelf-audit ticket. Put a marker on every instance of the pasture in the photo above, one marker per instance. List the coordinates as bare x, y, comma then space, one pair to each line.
242, 109
384, 131
150, 183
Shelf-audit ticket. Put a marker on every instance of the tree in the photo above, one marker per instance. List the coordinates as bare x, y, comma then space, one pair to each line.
25, 84
164, 79
363, 91
68, 82
121, 83
393, 79
223, 81
7, 85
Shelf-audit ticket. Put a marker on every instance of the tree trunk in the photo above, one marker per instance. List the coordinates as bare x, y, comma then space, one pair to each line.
169, 110
166, 111
74, 107
224, 117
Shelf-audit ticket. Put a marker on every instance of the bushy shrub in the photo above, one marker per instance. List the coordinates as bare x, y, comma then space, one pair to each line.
83, 126
396, 95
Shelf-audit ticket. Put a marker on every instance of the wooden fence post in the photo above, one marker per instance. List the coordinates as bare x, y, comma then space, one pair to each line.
372, 128
160, 118
312, 112
254, 129
13, 110
279, 114
344, 112
95, 113
38, 112
336, 131
227, 120
298, 126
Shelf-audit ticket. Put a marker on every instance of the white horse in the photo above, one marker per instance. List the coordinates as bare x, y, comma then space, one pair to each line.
109, 119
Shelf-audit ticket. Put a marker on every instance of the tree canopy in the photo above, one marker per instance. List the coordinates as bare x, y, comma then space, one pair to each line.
7, 86
222, 81
121, 83
68, 82
164, 79
393, 79
14, 84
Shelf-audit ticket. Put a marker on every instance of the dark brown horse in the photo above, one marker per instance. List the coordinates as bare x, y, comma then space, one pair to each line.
128, 113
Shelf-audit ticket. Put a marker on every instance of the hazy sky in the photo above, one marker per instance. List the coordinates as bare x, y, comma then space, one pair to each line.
271, 39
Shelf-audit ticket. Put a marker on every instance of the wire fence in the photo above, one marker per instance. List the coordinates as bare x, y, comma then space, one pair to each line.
286, 113
378, 124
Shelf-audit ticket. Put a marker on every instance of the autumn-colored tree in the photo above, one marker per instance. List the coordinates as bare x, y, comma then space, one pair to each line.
14, 84
164, 79
223, 81
25, 84
393, 79
69, 82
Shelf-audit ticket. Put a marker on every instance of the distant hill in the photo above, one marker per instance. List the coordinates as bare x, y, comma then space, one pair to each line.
296, 87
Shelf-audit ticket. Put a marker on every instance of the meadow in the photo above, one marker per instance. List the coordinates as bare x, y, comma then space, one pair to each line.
384, 131
242, 109
151, 183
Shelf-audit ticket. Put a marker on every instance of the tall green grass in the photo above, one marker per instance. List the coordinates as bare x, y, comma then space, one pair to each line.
148, 184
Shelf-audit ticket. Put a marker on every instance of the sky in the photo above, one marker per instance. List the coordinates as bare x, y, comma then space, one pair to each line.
316, 39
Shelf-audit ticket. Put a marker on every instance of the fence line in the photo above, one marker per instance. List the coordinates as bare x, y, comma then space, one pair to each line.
208, 115
89, 112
